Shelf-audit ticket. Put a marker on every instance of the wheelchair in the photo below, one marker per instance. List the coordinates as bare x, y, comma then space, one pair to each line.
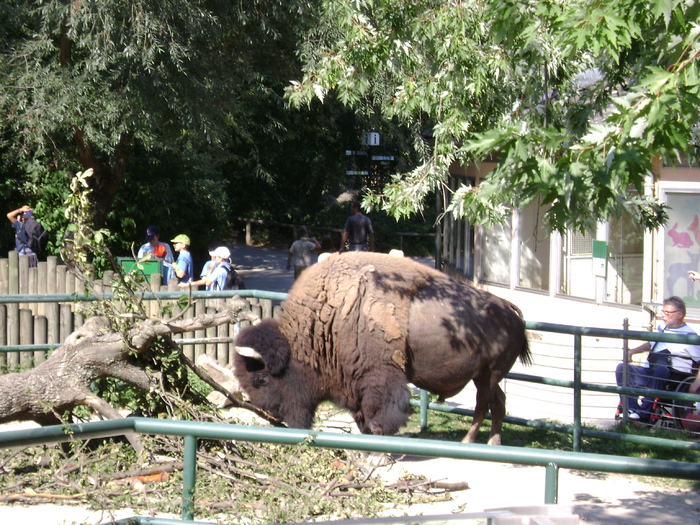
677, 414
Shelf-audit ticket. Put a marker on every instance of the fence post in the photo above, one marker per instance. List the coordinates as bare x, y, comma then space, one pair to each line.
577, 393
26, 331
3, 335
211, 333
65, 323
625, 370
423, 410
189, 472
551, 484
40, 338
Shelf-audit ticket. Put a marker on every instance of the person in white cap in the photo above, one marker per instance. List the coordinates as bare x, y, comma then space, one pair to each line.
217, 278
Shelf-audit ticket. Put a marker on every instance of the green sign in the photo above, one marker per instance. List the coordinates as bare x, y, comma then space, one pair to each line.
600, 249
150, 267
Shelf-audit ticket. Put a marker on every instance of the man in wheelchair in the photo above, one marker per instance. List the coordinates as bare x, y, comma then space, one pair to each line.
667, 363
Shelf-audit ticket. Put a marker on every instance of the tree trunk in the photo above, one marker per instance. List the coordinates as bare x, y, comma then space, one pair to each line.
93, 352
106, 178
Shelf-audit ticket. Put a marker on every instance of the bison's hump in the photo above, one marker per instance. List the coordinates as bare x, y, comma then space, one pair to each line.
351, 309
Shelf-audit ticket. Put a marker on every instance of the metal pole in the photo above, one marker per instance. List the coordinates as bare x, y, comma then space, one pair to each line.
551, 484
423, 410
577, 393
625, 370
189, 477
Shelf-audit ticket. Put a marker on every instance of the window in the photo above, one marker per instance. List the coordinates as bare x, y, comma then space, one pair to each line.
576, 269
681, 247
625, 265
534, 243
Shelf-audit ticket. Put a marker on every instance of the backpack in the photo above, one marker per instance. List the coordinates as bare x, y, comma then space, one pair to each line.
37, 236
233, 280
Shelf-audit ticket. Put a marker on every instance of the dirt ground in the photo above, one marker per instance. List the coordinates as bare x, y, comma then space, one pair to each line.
596, 498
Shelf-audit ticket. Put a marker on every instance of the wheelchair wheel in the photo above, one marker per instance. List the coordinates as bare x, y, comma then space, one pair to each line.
686, 413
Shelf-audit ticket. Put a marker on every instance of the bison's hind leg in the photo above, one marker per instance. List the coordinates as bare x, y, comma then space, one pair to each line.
385, 405
488, 396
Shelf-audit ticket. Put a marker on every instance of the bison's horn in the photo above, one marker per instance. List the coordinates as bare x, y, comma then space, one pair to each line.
247, 351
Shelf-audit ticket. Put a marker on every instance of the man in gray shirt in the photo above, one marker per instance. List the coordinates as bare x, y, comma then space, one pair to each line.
358, 230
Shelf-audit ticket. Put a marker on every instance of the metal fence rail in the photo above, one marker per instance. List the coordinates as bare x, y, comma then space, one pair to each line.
576, 384
191, 431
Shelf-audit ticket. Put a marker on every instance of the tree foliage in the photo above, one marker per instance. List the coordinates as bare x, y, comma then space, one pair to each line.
103, 84
574, 98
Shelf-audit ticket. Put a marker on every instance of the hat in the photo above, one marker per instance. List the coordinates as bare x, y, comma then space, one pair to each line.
184, 239
151, 232
28, 214
222, 252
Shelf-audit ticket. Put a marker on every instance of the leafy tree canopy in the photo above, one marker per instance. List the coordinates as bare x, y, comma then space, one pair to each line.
573, 97
97, 84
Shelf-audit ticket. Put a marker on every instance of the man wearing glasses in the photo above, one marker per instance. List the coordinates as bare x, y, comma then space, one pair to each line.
665, 362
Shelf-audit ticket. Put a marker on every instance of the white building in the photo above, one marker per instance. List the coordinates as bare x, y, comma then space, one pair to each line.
586, 280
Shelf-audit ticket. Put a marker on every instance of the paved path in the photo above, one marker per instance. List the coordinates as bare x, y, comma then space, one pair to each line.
265, 268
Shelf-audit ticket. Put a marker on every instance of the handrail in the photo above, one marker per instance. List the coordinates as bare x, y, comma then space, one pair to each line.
193, 430
199, 294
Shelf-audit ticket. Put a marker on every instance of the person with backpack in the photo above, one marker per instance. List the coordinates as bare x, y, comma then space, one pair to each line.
223, 276
30, 235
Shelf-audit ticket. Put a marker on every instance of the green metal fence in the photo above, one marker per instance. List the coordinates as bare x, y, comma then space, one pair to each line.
191, 432
576, 384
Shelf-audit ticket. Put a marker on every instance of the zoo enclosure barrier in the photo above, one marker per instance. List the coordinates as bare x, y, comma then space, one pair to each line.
26, 338
192, 431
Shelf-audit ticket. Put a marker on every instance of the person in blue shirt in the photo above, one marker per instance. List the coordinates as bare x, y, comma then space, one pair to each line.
183, 267
217, 277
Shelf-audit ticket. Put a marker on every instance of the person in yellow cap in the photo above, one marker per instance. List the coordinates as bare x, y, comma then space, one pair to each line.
183, 267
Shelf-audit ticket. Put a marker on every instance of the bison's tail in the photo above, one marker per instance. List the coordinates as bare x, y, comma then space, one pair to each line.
525, 353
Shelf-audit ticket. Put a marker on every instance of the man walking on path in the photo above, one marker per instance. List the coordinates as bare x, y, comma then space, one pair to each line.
358, 230
300, 252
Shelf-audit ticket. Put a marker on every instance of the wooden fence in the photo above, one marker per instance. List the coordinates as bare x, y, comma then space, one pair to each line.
49, 321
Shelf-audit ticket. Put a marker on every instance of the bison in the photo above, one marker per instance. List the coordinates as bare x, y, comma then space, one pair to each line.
357, 327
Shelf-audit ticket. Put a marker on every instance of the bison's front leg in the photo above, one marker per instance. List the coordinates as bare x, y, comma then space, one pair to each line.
385, 405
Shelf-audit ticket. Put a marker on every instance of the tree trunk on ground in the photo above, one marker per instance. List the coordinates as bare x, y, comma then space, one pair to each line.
93, 352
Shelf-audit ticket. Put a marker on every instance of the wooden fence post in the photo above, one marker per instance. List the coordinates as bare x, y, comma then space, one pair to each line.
40, 338
3, 335
26, 331
65, 324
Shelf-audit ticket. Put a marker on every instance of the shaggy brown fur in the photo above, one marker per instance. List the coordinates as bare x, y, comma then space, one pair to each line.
360, 326
340, 307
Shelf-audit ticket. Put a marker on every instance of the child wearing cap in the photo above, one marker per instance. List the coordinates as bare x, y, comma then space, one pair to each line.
184, 266
217, 277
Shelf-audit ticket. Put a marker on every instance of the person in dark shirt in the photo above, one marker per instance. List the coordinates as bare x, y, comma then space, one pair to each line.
358, 231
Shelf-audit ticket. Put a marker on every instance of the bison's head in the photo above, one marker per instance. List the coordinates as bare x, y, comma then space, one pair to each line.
263, 369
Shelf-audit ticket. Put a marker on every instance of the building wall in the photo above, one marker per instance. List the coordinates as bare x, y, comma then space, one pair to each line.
555, 278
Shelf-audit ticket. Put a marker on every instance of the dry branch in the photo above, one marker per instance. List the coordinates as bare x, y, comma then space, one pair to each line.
93, 352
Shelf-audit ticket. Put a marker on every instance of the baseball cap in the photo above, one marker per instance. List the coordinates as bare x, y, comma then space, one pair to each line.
222, 252
151, 232
184, 239
28, 214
